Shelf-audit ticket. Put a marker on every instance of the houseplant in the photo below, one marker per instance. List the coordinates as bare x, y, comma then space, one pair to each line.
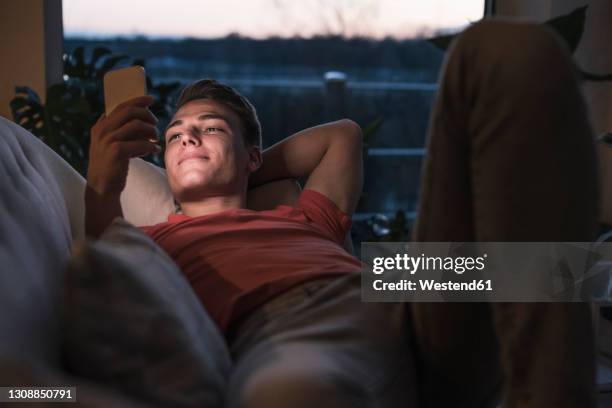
72, 106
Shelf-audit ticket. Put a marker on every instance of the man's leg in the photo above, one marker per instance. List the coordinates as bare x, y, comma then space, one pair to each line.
510, 158
328, 350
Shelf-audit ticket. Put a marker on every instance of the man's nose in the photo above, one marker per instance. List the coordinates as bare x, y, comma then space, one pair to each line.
191, 137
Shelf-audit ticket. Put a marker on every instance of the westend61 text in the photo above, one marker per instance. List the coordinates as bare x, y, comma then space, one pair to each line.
432, 285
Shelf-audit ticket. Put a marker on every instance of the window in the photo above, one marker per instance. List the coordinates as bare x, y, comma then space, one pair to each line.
301, 64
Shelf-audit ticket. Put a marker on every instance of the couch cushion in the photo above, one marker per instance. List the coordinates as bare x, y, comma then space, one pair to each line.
35, 240
146, 198
132, 321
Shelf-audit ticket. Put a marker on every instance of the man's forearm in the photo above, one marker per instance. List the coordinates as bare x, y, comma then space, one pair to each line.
298, 155
100, 210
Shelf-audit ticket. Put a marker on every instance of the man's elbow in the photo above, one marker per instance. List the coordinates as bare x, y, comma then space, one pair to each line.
351, 130
350, 126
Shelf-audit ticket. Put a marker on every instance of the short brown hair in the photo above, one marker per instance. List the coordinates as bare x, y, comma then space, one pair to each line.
230, 98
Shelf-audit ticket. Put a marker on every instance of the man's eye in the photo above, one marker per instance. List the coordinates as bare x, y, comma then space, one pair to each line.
212, 130
174, 136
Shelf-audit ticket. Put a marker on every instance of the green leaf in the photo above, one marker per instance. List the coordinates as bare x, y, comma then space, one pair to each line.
30, 117
606, 139
79, 63
98, 53
372, 128
164, 90
138, 62
589, 76
72, 107
570, 26
32, 95
56, 91
18, 103
399, 226
108, 65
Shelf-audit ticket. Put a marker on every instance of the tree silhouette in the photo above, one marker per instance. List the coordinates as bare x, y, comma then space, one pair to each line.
343, 18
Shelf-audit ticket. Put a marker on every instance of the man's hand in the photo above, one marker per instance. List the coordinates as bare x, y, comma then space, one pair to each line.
129, 131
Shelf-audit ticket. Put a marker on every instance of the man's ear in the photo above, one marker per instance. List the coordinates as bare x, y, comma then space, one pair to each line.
255, 158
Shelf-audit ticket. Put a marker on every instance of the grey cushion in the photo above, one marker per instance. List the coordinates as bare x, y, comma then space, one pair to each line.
131, 320
35, 240
146, 199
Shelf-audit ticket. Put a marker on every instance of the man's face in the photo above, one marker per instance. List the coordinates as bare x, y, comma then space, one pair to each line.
205, 152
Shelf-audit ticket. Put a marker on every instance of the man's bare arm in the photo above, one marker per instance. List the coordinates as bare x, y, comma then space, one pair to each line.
100, 210
129, 131
330, 155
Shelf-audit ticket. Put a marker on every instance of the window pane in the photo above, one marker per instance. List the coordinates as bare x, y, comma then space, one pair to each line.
301, 64
265, 18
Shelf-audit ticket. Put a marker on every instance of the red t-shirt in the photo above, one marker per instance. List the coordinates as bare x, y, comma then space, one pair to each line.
237, 259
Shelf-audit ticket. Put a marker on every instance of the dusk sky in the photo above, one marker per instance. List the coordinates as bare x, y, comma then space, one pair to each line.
262, 18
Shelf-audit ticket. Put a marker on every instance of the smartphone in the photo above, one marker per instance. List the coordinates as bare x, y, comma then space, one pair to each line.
123, 84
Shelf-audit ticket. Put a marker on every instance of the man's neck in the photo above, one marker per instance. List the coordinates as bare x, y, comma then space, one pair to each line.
214, 204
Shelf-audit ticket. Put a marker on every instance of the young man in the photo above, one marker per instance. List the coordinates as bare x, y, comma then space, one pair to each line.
278, 283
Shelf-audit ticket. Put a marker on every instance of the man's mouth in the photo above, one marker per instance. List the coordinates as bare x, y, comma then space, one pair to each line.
199, 157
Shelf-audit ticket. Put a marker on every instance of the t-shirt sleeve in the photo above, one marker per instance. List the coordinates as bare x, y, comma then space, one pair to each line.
325, 214
150, 230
